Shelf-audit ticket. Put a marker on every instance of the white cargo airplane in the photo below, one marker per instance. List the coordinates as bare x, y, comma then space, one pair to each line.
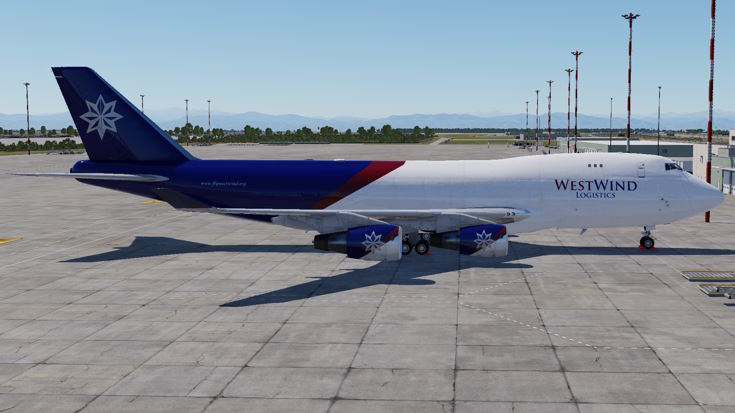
380, 210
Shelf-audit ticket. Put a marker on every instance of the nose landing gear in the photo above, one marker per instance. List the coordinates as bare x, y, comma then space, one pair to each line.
646, 241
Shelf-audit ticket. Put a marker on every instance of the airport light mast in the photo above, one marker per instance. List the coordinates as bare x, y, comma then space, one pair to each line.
576, 54
549, 143
610, 148
711, 87
28, 119
187, 111
658, 126
630, 17
537, 124
569, 99
142, 107
209, 119
526, 116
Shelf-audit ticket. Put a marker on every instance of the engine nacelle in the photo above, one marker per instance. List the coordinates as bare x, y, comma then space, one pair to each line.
489, 240
380, 242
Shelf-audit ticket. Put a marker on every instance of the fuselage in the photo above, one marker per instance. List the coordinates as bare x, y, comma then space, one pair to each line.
561, 190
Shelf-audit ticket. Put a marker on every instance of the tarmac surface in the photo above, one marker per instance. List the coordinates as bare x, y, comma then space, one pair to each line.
112, 303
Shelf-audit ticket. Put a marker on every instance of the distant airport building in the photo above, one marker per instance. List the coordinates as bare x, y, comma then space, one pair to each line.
679, 152
723, 165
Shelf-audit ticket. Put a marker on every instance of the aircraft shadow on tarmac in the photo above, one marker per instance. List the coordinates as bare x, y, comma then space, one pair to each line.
146, 247
385, 272
381, 273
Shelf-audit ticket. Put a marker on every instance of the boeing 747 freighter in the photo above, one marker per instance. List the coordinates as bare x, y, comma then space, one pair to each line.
379, 210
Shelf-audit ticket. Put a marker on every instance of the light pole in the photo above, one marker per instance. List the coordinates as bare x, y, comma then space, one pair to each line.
630, 17
142, 107
576, 54
537, 124
28, 119
658, 128
549, 143
187, 111
610, 148
569, 97
711, 87
526, 119
209, 120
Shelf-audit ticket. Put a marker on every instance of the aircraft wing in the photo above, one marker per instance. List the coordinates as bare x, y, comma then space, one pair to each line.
439, 220
98, 176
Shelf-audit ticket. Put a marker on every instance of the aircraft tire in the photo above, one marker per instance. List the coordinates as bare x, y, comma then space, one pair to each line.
406, 247
421, 247
647, 242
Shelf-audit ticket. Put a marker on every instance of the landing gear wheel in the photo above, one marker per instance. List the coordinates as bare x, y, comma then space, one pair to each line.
647, 242
406, 247
421, 247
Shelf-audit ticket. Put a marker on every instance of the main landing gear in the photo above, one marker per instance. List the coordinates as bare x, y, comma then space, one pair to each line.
646, 241
421, 247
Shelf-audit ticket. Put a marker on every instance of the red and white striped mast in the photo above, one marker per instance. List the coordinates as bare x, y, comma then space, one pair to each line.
569, 99
630, 17
576, 54
710, 95
549, 143
537, 123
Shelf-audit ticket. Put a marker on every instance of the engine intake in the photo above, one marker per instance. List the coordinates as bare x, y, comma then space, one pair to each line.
380, 242
489, 240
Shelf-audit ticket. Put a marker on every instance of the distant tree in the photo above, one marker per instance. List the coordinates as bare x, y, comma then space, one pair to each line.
361, 132
416, 132
33, 131
177, 131
371, 131
22, 132
386, 130
268, 132
428, 132
326, 131
52, 132
348, 133
43, 130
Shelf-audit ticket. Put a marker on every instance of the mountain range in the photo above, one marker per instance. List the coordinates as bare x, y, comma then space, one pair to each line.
170, 118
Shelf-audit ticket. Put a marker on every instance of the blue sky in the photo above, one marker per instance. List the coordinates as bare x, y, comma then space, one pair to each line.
370, 58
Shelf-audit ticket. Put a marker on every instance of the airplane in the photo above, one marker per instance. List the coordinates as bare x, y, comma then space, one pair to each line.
379, 210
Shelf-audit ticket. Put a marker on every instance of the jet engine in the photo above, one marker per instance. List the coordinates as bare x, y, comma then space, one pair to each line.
489, 240
381, 242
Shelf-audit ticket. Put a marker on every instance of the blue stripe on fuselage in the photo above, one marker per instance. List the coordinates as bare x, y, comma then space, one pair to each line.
292, 184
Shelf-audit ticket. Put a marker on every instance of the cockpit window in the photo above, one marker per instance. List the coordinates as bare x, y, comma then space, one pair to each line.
671, 166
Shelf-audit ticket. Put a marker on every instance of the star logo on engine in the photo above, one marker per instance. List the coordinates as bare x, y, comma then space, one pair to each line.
373, 242
483, 239
101, 116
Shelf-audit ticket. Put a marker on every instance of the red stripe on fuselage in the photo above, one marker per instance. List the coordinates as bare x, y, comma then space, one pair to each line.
374, 171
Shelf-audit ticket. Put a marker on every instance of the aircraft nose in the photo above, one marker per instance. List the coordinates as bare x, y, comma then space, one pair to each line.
705, 195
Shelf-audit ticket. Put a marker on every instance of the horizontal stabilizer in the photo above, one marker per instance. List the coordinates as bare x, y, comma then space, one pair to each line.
99, 176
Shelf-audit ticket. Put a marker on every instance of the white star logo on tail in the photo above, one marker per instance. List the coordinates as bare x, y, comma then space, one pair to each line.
483, 239
101, 116
373, 242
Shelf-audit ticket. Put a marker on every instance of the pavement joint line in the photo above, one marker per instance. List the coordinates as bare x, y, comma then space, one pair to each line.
541, 329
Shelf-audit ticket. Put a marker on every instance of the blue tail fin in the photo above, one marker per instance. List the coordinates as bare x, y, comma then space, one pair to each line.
113, 129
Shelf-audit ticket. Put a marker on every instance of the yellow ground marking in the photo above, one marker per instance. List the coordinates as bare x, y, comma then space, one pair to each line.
8, 240
155, 201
